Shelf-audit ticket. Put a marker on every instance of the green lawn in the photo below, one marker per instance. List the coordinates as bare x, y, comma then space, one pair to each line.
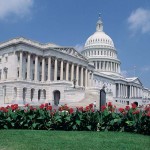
61, 140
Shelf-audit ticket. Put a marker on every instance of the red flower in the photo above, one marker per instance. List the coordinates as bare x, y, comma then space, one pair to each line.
80, 108
46, 104
14, 106
148, 114
71, 110
60, 109
26, 105
121, 110
3, 109
133, 105
7, 106
103, 108
87, 108
91, 106
31, 108
127, 108
49, 107
41, 106
136, 112
109, 104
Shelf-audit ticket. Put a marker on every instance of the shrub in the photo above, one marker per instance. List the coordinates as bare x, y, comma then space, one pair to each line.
65, 118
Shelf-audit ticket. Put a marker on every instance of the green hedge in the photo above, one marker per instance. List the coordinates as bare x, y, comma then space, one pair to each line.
79, 119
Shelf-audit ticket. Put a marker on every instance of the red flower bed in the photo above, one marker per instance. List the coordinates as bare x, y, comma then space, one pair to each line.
44, 117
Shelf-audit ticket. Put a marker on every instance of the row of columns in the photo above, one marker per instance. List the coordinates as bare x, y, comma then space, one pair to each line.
132, 92
107, 66
103, 53
122, 90
84, 81
135, 91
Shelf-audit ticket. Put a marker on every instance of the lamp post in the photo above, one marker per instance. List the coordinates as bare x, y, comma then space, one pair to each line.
74, 83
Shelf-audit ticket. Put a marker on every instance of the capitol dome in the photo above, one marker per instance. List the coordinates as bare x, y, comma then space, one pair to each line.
99, 38
99, 49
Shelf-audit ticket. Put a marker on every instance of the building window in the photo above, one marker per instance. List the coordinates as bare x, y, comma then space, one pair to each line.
26, 75
40, 77
18, 72
5, 73
18, 58
33, 61
33, 76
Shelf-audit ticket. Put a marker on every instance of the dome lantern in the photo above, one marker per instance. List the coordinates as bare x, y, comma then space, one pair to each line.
99, 25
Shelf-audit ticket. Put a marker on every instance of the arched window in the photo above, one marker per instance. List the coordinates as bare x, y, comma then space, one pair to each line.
24, 94
32, 94
15, 92
44, 93
39, 95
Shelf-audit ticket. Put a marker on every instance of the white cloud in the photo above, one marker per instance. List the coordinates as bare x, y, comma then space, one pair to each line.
139, 20
19, 8
79, 47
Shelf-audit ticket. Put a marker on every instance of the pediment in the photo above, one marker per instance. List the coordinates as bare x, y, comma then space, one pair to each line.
137, 81
71, 51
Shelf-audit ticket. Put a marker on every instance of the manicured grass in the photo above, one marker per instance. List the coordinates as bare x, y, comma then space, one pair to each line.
69, 140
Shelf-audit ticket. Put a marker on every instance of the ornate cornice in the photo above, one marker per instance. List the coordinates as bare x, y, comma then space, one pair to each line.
67, 50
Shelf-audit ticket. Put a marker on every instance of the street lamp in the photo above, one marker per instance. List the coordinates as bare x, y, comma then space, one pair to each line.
74, 83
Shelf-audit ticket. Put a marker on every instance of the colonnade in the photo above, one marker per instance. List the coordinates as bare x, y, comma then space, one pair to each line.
135, 91
107, 66
54, 69
128, 91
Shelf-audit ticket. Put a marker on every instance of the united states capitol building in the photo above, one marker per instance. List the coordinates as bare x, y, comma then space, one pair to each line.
32, 72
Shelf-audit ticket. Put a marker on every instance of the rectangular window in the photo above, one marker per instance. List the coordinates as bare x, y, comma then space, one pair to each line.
33, 76
26, 75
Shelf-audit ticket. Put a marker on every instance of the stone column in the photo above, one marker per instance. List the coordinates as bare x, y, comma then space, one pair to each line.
28, 67
86, 74
92, 79
20, 65
104, 69
77, 75
43, 69
72, 72
55, 70
67, 70
89, 80
96, 65
126, 91
110, 66
49, 68
100, 65
130, 92
36, 68
117, 68
81, 81
118, 90
61, 70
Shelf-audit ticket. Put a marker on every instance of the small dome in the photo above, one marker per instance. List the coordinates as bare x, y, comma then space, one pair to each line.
99, 38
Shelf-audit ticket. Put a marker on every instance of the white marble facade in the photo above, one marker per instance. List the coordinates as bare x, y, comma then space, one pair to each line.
31, 72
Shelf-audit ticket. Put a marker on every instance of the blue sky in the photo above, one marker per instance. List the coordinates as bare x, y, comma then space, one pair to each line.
71, 22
